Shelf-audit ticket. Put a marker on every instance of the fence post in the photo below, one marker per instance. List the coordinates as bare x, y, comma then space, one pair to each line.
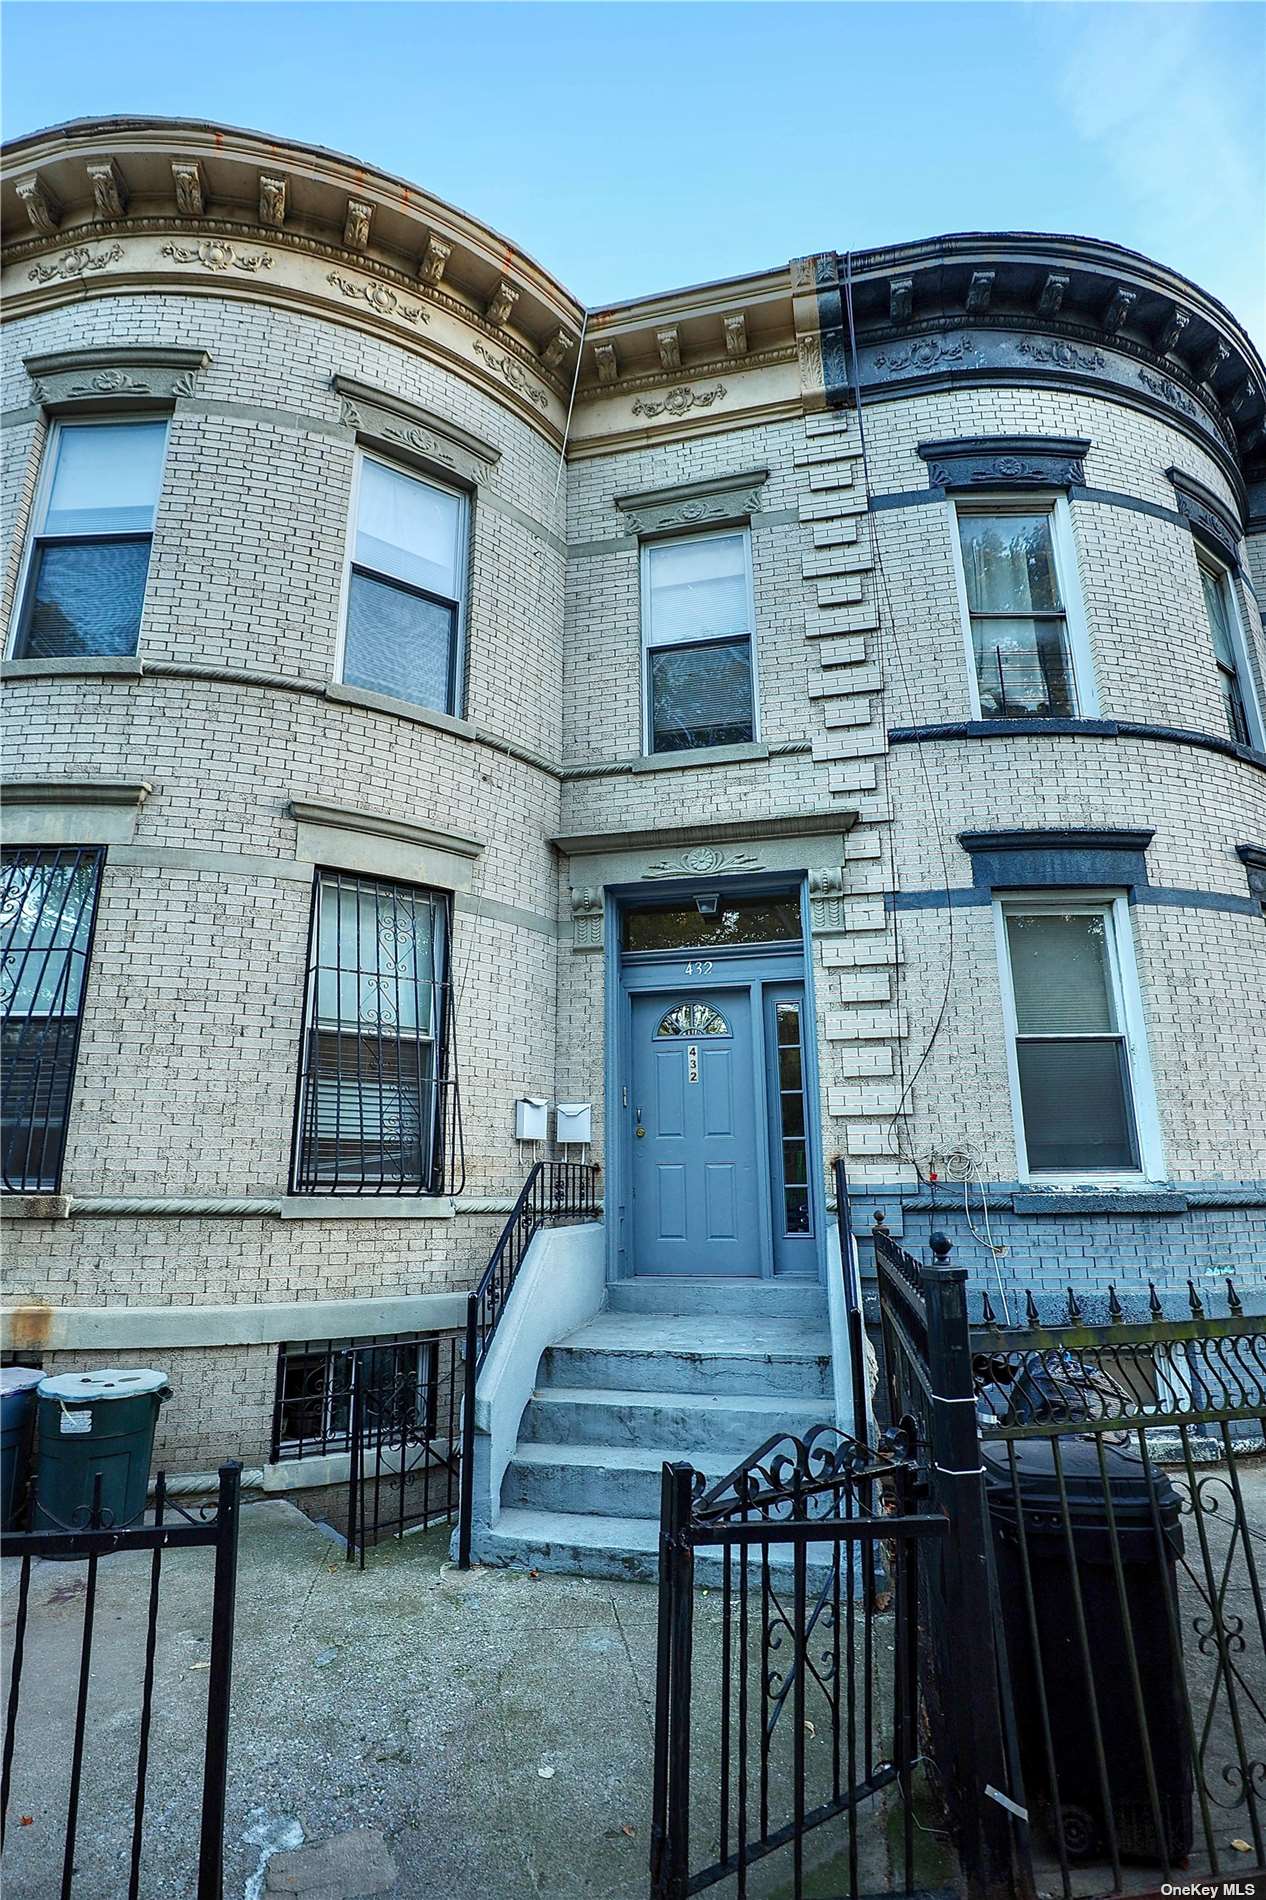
219, 1686
993, 1869
670, 1811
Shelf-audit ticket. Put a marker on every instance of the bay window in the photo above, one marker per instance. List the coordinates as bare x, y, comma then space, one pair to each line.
1014, 589
698, 619
405, 588
1238, 706
87, 559
1077, 1055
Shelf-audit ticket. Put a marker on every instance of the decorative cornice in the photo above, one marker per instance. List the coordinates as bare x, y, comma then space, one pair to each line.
400, 425
1006, 461
679, 402
216, 254
377, 825
125, 794
80, 261
692, 504
139, 374
510, 371
1206, 515
813, 824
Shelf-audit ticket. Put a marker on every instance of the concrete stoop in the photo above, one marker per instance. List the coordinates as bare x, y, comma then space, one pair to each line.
699, 1370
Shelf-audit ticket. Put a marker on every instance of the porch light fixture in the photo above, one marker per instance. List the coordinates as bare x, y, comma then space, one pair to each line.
706, 904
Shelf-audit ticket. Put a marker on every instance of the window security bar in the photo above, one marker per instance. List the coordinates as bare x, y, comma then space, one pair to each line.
48, 913
377, 1110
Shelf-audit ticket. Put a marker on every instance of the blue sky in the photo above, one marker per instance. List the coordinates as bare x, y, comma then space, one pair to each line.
639, 147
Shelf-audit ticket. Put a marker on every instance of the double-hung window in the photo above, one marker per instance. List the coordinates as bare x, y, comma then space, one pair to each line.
697, 618
373, 1097
1238, 704
405, 588
1016, 605
88, 555
48, 906
1077, 1054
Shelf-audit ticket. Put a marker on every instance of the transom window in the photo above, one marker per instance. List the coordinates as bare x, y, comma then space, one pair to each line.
693, 1019
1016, 610
1238, 706
406, 588
1080, 1096
374, 1096
88, 555
48, 904
731, 921
697, 621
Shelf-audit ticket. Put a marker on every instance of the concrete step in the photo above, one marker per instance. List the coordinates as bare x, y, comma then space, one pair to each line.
660, 1293
705, 1353
604, 1415
597, 1480
578, 1544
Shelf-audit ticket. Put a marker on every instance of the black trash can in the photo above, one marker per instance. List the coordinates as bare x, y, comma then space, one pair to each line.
1151, 1598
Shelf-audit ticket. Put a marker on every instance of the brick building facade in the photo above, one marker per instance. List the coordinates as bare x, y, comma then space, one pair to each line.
909, 593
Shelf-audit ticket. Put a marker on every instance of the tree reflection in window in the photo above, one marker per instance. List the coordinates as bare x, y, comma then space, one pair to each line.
693, 1019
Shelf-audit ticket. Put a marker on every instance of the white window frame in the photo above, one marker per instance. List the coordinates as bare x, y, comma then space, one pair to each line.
1226, 580
1123, 971
1064, 549
455, 711
650, 645
39, 508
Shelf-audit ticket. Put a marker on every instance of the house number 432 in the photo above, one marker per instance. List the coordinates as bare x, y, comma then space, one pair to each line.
699, 969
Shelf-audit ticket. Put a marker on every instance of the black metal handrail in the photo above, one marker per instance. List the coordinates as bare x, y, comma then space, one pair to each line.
553, 1192
852, 1302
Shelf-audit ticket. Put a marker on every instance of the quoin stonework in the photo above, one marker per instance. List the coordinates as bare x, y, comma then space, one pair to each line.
814, 714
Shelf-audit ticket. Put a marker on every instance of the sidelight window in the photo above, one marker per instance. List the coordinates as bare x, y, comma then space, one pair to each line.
48, 906
1078, 1059
698, 621
405, 588
1017, 612
377, 1108
88, 557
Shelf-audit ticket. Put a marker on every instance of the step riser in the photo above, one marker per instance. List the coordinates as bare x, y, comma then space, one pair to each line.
551, 1420
807, 1377
598, 1490
773, 1298
562, 1559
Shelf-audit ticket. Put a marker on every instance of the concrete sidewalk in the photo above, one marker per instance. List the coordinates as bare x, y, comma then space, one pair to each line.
488, 1735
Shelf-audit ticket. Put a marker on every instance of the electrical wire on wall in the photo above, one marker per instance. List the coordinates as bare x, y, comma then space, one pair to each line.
905, 1145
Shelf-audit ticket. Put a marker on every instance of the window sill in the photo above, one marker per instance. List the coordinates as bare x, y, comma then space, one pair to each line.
368, 1207
34, 1206
694, 756
1129, 1195
74, 666
401, 709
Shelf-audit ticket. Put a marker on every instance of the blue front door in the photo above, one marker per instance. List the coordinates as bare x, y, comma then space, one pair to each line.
697, 1201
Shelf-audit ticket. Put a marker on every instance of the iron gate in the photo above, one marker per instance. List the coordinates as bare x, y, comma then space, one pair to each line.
774, 1718
403, 1438
37, 1777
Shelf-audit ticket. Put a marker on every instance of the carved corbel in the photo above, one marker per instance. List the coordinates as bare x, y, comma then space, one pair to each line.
1245, 393
736, 334
434, 259
668, 343
604, 357
272, 201
186, 175
587, 910
1212, 363
1123, 301
501, 303
900, 299
559, 346
356, 226
42, 208
109, 193
979, 292
826, 898
1052, 293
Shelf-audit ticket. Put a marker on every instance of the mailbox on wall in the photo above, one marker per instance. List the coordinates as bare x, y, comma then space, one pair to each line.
531, 1118
574, 1123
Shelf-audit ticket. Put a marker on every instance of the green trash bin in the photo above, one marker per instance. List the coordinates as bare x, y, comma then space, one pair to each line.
90, 1422
17, 1408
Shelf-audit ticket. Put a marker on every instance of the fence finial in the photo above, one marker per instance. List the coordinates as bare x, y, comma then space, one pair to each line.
1074, 1306
941, 1246
986, 1308
1030, 1308
880, 1222
1235, 1304
1154, 1306
1115, 1309
1193, 1301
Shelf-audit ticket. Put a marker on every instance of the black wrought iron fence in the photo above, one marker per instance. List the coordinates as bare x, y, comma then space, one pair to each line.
50, 1757
404, 1439
775, 1716
555, 1192
1115, 1534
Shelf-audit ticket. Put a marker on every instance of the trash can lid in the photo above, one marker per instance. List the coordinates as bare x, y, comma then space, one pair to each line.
110, 1382
19, 1378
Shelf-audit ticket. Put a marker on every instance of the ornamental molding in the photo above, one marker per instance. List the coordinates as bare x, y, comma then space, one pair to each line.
516, 377
926, 352
1003, 461
1206, 516
377, 415
679, 402
588, 910
726, 498
1063, 355
380, 297
139, 373
82, 261
216, 254
704, 860
826, 899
